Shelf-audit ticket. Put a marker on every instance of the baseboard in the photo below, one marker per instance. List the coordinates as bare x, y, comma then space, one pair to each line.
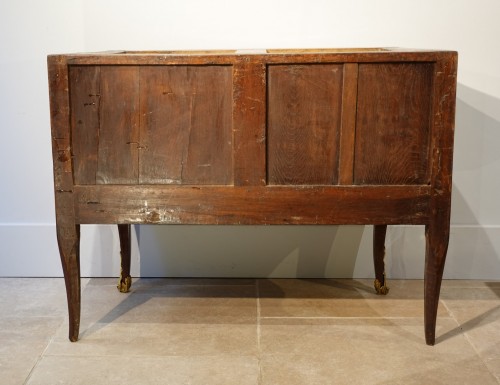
29, 250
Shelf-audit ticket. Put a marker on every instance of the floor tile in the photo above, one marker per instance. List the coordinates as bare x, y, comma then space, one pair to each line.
23, 341
15, 368
214, 304
247, 331
372, 351
340, 298
477, 310
123, 339
23, 335
170, 319
32, 296
242, 370
470, 283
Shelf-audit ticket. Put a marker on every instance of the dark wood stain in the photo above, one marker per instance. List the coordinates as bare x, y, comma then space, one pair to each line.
170, 124
85, 84
253, 205
249, 123
118, 152
393, 123
304, 110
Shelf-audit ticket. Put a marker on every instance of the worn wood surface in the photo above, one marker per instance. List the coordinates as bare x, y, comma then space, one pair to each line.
251, 205
152, 125
393, 123
68, 231
186, 135
118, 150
379, 232
437, 230
85, 88
304, 111
387, 55
317, 136
348, 127
249, 123
124, 233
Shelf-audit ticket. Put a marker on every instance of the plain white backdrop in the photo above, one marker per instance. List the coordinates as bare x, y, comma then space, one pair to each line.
29, 30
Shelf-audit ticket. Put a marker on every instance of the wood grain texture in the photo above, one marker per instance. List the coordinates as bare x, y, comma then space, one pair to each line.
124, 233
118, 148
68, 241
437, 230
186, 121
175, 128
249, 123
393, 123
85, 84
68, 232
251, 205
59, 121
379, 232
386, 55
348, 128
304, 110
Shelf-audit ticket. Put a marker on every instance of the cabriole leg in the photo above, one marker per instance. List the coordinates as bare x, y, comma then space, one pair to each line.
379, 232
437, 238
68, 240
125, 280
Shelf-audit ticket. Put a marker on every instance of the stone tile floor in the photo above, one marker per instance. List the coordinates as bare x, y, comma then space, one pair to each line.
248, 331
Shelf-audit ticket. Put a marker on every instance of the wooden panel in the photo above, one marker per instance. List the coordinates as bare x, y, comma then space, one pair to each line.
392, 126
348, 129
252, 204
217, 57
186, 134
443, 125
303, 123
59, 121
84, 85
249, 123
117, 159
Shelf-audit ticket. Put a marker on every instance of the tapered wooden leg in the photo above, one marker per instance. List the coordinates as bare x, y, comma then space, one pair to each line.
125, 280
437, 237
68, 239
379, 232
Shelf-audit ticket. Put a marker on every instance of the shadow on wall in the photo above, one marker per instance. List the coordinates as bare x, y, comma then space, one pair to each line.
474, 250
345, 251
250, 251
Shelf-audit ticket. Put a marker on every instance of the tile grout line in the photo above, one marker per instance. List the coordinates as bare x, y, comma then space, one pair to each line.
346, 317
259, 352
469, 341
41, 355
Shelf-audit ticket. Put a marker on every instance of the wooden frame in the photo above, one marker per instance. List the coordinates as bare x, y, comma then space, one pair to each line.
327, 136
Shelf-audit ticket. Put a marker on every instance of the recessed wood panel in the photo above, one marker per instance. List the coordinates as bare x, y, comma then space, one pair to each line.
393, 123
117, 155
186, 135
84, 83
157, 124
105, 124
304, 111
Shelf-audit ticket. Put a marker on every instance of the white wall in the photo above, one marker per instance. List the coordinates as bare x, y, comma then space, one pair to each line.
30, 30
